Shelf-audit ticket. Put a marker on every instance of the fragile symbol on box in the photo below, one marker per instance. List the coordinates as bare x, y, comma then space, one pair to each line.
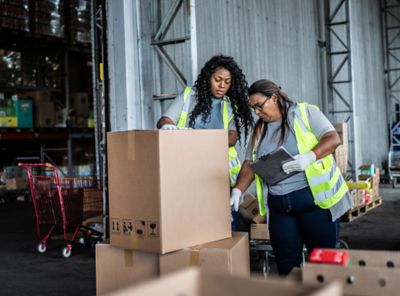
115, 225
127, 226
152, 229
140, 228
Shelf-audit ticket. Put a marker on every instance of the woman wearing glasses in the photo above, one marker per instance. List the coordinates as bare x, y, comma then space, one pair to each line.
305, 207
218, 100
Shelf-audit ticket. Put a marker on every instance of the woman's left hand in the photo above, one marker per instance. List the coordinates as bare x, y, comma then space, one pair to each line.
300, 162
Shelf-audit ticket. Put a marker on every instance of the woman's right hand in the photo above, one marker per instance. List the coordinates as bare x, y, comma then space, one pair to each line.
236, 194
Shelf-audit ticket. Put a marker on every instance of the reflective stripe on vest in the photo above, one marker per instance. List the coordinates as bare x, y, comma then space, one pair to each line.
185, 110
323, 176
234, 161
259, 190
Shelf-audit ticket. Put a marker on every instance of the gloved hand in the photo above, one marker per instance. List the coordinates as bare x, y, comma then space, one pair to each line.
235, 198
169, 127
300, 162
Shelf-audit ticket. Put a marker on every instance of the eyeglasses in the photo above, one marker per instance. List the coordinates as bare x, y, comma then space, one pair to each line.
259, 106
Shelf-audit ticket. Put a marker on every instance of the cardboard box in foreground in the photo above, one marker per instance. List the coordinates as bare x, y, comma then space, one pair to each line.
191, 282
117, 268
227, 256
370, 273
168, 189
259, 231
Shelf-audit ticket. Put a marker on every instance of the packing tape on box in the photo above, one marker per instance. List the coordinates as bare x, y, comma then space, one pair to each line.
131, 146
128, 254
135, 240
194, 257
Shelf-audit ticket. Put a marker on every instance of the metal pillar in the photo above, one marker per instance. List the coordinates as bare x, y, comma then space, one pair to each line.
159, 42
339, 68
99, 106
391, 27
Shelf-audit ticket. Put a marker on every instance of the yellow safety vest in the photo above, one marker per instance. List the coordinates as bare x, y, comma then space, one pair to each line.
323, 176
234, 161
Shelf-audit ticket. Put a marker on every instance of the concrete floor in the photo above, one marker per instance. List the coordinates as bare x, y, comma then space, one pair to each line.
23, 271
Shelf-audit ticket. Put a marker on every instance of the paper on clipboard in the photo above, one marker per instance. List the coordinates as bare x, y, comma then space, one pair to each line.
269, 167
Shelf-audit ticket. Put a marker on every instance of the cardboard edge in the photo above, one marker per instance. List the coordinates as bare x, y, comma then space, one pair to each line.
160, 214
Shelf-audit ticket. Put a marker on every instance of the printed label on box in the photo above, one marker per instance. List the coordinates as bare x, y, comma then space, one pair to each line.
152, 229
115, 225
127, 226
140, 228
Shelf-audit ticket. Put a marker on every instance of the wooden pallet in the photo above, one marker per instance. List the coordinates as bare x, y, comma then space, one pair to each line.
359, 211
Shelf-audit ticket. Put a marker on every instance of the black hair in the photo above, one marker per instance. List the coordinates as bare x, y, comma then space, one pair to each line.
237, 94
269, 88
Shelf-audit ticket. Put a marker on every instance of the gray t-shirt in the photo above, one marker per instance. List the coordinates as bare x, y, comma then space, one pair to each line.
319, 125
214, 121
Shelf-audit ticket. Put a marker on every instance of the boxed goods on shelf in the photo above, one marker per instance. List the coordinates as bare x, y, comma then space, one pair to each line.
79, 23
47, 18
14, 15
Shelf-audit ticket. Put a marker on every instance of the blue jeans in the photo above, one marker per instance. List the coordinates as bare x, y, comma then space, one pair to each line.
294, 221
234, 222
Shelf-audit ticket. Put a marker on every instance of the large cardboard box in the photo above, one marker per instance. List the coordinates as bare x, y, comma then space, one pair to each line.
116, 268
17, 183
227, 256
38, 96
191, 282
168, 189
367, 258
361, 281
259, 231
249, 207
80, 104
45, 114
370, 273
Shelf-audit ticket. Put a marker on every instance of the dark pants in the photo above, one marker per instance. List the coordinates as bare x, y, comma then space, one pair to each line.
295, 220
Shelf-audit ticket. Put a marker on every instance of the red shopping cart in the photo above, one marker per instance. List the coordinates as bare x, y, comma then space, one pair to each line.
61, 202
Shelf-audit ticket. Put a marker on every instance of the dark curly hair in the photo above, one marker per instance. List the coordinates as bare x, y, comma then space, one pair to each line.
237, 94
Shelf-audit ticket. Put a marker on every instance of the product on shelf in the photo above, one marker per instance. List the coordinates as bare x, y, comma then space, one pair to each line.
10, 68
79, 23
47, 18
14, 14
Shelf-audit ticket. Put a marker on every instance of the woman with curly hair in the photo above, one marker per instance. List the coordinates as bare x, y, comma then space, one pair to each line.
217, 100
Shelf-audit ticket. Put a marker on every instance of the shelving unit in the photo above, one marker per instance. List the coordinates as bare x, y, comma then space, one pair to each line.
71, 60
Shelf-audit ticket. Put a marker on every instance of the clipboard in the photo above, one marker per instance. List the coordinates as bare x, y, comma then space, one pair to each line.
269, 167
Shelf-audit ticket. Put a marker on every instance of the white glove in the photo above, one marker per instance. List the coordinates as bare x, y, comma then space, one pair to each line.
300, 162
235, 198
169, 127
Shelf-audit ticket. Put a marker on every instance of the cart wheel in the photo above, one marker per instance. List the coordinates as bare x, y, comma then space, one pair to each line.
41, 248
66, 252
341, 244
82, 241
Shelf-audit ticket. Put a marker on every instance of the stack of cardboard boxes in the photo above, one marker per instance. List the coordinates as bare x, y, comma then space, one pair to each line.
366, 189
169, 208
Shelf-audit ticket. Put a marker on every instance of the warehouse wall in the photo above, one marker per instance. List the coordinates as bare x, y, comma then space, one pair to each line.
371, 136
272, 39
